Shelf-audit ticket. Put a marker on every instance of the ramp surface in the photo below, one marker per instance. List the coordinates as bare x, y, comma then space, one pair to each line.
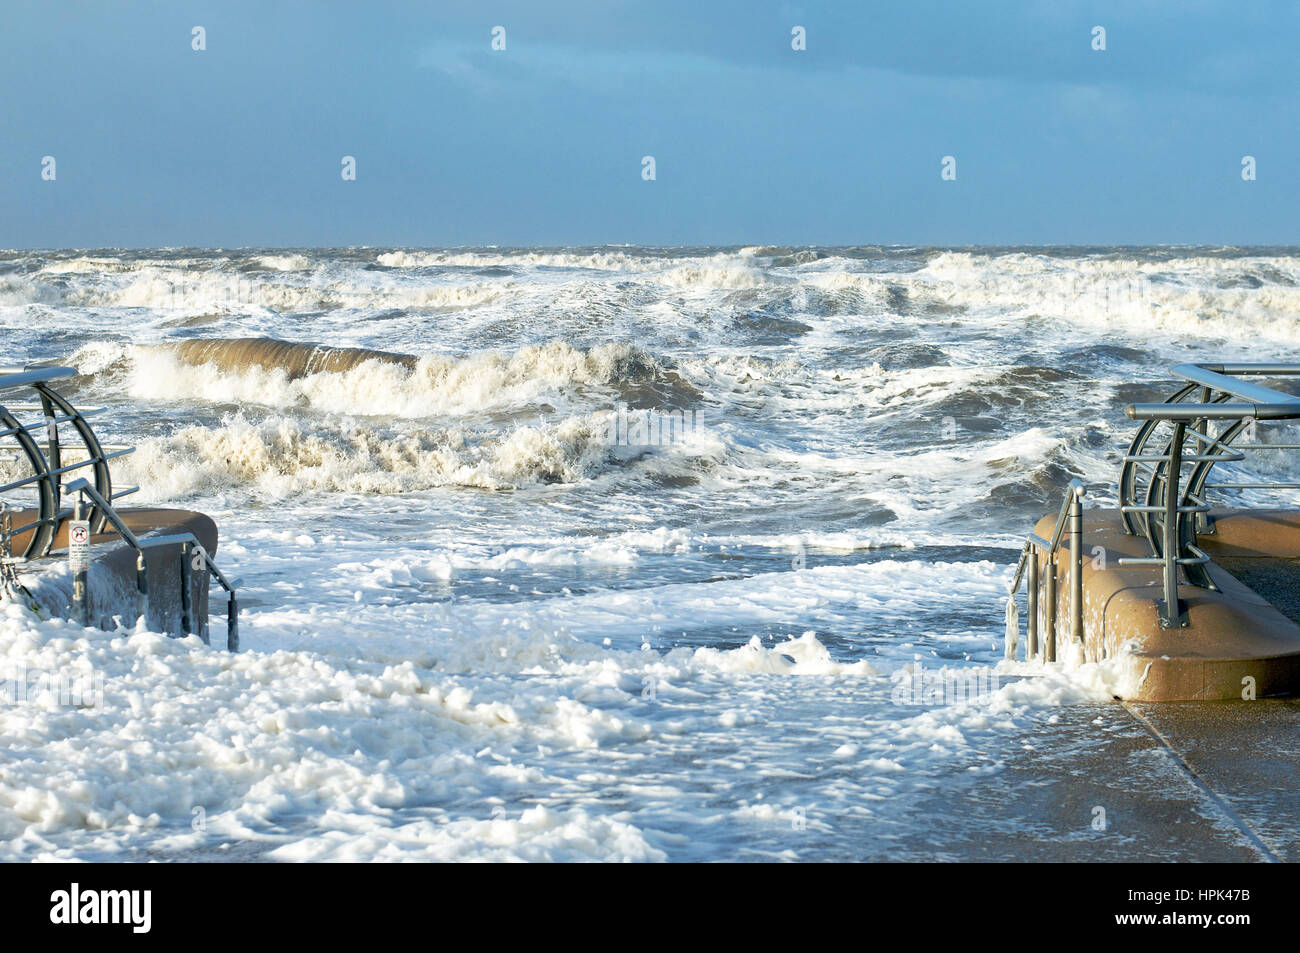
1275, 579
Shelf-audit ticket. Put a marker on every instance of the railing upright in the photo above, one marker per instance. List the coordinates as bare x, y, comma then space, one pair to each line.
1049, 607
187, 591
80, 577
1076, 568
1031, 610
1171, 610
1071, 516
141, 587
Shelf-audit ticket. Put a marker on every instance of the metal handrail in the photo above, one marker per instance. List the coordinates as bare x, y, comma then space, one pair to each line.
61, 470
1168, 514
1071, 514
190, 545
25, 377
46, 460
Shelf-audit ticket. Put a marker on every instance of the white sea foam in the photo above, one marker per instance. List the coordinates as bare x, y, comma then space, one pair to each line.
249, 741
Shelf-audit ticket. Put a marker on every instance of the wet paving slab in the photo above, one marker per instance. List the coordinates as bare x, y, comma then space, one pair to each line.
1248, 753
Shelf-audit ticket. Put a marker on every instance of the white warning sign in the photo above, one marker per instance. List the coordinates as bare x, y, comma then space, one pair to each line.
78, 544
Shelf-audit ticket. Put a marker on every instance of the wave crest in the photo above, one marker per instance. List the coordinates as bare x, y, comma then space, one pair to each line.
282, 456
361, 381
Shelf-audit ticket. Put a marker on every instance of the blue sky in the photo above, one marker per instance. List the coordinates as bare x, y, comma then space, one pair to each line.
541, 144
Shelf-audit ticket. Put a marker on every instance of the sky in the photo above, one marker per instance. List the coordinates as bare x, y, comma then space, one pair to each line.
542, 143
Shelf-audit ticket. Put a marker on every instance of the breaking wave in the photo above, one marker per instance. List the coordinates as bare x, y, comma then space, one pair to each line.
282, 456
361, 381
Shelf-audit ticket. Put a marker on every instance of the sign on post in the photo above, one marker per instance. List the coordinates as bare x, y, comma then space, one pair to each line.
78, 545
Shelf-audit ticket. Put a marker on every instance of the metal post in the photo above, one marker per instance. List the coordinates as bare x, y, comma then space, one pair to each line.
141, 589
1049, 608
1031, 610
80, 597
201, 576
1171, 611
53, 453
232, 624
187, 612
1202, 520
8, 565
1076, 569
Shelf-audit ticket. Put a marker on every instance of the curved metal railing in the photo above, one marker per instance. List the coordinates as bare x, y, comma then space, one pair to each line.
45, 460
1170, 510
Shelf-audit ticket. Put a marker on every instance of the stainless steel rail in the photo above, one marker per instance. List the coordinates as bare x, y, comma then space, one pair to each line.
193, 558
1155, 499
46, 460
1071, 515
